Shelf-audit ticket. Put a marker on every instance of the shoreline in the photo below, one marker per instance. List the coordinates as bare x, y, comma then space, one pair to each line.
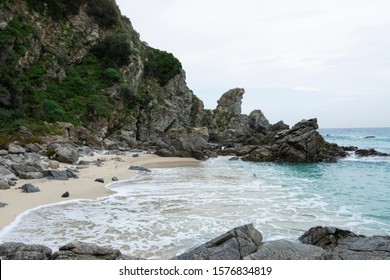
85, 186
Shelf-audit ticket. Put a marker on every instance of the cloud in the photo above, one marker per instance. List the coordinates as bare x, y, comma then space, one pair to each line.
336, 46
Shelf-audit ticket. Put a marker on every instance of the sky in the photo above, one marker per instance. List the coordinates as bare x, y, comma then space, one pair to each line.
300, 59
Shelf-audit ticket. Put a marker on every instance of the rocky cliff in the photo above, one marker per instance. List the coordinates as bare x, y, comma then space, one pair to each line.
81, 62
77, 72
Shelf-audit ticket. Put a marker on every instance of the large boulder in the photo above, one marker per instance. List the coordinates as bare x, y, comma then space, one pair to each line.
66, 155
235, 244
345, 245
231, 101
20, 251
183, 142
16, 149
287, 250
302, 143
86, 251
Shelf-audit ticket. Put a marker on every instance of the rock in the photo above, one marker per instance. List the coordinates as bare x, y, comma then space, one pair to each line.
4, 185
184, 142
286, 250
99, 180
29, 188
234, 158
28, 167
66, 194
34, 148
236, 244
135, 155
31, 175
370, 153
139, 168
85, 151
300, 144
6, 174
370, 137
346, 245
231, 101
1, 206
66, 155
258, 122
20, 251
16, 149
3, 152
86, 251
58, 175
115, 179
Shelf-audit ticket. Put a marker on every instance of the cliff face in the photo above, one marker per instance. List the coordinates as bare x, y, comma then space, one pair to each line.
81, 62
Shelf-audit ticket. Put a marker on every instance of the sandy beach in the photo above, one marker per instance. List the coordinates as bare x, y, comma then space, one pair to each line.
83, 188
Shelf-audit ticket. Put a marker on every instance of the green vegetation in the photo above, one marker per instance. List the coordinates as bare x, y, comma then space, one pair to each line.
57, 9
114, 51
161, 65
104, 12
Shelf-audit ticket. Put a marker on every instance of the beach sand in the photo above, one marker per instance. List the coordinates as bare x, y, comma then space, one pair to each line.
83, 188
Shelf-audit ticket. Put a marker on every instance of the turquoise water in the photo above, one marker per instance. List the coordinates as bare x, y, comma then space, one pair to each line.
165, 212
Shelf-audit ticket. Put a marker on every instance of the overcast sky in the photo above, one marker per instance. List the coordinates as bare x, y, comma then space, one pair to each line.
298, 59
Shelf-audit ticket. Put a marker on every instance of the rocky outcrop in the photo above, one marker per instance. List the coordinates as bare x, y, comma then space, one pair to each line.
302, 143
370, 153
345, 245
184, 142
241, 243
233, 245
66, 155
21, 251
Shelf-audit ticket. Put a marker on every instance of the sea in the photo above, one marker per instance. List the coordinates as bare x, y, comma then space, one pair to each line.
161, 214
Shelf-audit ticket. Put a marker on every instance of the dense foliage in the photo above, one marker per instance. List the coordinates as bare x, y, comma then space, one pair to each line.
161, 65
114, 51
104, 12
57, 9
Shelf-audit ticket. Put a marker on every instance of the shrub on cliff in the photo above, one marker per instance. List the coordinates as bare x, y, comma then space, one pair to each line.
104, 12
161, 65
114, 51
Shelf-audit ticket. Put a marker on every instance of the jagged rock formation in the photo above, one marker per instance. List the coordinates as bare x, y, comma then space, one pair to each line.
86, 68
242, 243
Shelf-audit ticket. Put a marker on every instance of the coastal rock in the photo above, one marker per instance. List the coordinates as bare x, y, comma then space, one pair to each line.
184, 142
29, 188
370, 153
236, 244
65, 194
6, 174
3, 152
286, 250
34, 148
4, 185
345, 245
139, 168
16, 149
302, 143
60, 175
115, 179
231, 101
1, 206
99, 180
66, 155
258, 122
20, 251
86, 251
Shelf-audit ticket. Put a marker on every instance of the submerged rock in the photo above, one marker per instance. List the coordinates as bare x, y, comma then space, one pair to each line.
139, 168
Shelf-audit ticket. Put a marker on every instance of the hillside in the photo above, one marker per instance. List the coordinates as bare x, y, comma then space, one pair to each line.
81, 62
